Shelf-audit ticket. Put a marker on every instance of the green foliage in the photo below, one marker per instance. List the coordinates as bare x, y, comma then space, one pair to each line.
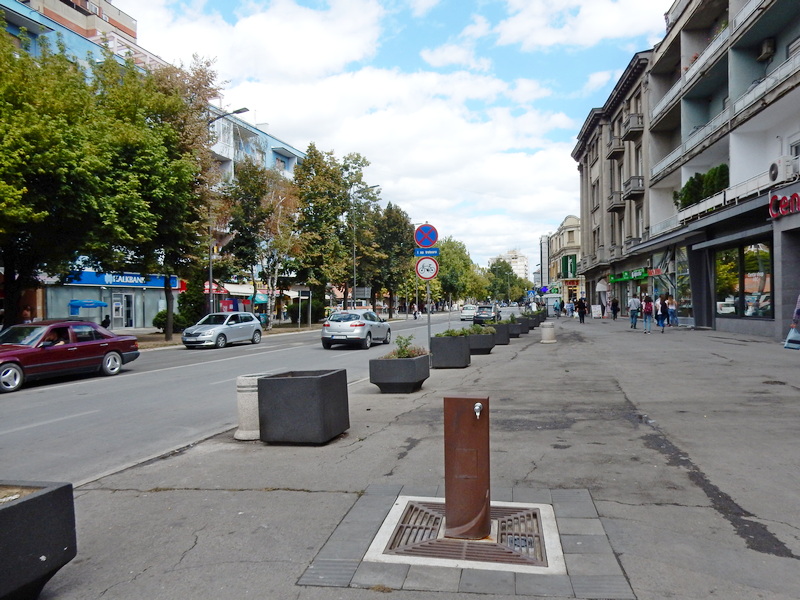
701, 186
453, 333
405, 349
193, 303
317, 312
480, 329
179, 321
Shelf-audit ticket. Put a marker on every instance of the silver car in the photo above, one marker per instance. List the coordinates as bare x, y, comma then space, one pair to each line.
355, 327
221, 329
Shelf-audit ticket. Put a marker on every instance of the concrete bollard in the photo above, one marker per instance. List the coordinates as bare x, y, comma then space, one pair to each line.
548, 333
247, 406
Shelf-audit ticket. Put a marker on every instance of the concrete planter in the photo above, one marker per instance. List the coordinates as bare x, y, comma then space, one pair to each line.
247, 406
481, 343
450, 352
525, 323
502, 335
304, 407
514, 330
399, 375
37, 535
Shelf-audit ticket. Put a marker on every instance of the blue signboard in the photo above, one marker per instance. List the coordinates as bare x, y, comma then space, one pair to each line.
426, 252
122, 279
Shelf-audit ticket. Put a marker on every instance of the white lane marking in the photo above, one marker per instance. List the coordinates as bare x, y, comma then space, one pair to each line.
48, 422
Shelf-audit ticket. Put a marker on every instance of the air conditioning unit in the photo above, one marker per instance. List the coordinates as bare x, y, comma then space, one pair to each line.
767, 50
783, 168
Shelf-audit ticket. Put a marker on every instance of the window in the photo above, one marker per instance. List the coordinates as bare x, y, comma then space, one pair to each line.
280, 164
743, 281
571, 236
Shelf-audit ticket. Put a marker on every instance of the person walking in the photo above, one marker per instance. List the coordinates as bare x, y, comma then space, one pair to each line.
663, 313
647, 315
581, 306
672, 311
634, 305
557, 308
614, 308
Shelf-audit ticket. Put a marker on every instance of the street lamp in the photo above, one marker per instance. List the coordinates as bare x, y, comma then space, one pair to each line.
352, 208
238, 111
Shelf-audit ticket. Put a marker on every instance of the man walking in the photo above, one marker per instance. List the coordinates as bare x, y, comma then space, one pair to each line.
633, 308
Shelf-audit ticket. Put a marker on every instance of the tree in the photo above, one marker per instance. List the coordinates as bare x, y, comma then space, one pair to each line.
49, 165
395, 238
454, 268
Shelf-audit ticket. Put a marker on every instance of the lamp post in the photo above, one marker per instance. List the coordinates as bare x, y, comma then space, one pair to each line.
238, 111
352, 209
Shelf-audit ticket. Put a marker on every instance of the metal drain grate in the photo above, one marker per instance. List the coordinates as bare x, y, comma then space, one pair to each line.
519, 538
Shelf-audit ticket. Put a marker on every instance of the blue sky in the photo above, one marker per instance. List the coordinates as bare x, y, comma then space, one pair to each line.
467, 109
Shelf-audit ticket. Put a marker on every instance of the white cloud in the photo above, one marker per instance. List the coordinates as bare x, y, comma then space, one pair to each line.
420, 8
461, 53
542, 24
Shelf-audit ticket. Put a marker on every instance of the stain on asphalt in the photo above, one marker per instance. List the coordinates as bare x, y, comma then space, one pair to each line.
755, 535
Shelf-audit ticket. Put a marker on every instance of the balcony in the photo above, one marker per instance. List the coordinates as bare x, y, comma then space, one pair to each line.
704, 132
667, 100
760, 88
707, 53
616, 148
615, 202
743, 14
668, 161
633, 187
632, 127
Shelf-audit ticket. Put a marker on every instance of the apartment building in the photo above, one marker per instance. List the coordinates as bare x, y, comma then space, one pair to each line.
612, 162
518, 261
564, 255
720, 221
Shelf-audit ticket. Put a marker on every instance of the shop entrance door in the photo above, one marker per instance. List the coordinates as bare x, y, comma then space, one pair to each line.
122, 315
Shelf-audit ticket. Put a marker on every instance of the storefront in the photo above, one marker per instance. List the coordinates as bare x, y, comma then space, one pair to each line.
132, 300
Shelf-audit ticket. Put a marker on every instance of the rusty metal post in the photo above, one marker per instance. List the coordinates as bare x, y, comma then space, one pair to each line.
466, 468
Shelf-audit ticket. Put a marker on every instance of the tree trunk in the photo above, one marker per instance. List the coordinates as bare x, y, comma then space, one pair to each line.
170, 307
11, 289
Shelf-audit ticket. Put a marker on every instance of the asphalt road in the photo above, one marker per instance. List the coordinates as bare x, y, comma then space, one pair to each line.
81, 428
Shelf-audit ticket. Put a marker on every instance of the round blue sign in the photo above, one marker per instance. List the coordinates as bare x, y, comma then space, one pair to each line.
426, 236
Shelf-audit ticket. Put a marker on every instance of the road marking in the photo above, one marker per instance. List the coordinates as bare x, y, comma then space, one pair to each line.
24, 427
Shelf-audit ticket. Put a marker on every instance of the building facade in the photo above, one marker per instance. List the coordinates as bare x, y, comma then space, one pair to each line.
520, 264
565, 254
720, 225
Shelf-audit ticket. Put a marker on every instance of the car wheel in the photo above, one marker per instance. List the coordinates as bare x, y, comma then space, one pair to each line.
221, 341
388, 338
366, 342
11, 377
256, 337
326, 344
112, 364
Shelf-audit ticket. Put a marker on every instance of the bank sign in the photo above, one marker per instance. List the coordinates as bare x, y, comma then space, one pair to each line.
122, 280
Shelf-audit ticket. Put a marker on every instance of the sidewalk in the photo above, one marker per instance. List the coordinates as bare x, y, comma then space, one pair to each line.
671, 462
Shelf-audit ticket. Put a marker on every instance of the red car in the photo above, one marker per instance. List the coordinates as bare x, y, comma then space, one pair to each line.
52, 348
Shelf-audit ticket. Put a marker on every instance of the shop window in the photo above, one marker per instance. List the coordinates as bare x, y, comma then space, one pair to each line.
743, 282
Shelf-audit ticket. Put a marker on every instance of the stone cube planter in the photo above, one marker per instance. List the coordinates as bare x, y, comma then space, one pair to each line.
481, 343
502, 335
514, 330
525, 324
305, 407
37, 535
399, 375
450, 352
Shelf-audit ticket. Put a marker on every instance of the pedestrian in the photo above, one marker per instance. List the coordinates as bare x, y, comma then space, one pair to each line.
672, 311
581, 307
106, 322
634, 305
657, 314
571, 307
793, 337
647, 314
26, 314
614, 308
663, 313
557, 308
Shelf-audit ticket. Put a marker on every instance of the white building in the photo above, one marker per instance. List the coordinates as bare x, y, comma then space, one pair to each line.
518, 261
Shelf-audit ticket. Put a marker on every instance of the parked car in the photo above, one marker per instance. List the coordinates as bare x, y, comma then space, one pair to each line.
61, 347
355, 327
468, 311
486, 314
220, 329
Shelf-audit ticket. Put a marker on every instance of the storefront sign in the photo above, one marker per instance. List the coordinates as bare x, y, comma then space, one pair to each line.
781, 206
122, 279
656, 271
640, 273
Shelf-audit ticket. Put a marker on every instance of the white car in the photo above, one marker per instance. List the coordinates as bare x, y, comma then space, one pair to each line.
468, 311
355, 327
220, 329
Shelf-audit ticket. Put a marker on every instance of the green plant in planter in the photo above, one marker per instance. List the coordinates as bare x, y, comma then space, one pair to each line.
405, 349
510, 321
453, 333
480, 330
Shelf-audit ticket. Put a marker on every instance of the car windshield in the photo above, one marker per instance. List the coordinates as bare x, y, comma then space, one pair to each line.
23, 335
469, 307
213, 320
343, 317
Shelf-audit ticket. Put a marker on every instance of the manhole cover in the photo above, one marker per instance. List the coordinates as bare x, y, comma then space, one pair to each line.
521, 539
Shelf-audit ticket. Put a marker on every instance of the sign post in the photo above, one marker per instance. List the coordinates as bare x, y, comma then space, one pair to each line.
427, 267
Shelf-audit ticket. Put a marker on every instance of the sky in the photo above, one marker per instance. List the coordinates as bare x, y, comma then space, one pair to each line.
467, 110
